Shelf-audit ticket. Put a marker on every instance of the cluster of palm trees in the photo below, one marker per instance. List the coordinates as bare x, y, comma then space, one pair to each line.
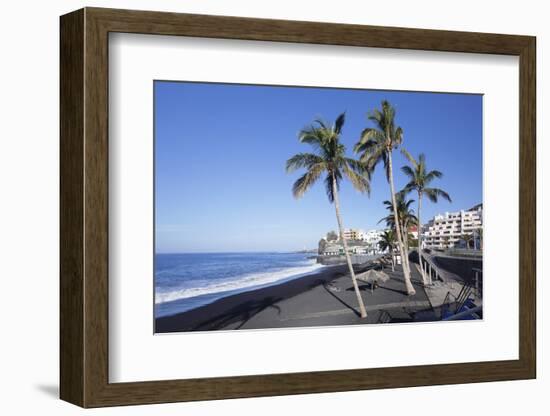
419, 181
406, 219
375, 145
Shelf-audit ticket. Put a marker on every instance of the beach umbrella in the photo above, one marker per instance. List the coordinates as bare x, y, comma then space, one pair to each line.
373, 277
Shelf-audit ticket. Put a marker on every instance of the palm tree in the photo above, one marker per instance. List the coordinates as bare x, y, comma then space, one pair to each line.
387, 242
405, 214
329, 158
376, 144
419, 181
406, 220
467, 238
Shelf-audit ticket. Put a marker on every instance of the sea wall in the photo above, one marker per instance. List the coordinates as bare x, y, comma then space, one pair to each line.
460, 266
355, 259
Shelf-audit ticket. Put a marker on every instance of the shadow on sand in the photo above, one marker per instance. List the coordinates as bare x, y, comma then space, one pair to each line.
331, 293
239, 315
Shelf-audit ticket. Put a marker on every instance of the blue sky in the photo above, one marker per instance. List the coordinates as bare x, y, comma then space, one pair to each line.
220, 153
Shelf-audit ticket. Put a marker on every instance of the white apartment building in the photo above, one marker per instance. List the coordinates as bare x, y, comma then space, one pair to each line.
332, 249
365, 242
373, 236
357, 234
445, 231
353, 234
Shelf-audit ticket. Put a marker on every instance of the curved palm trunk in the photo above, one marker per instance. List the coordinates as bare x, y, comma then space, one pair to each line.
348, 258
406, 270
405, 237
424, 278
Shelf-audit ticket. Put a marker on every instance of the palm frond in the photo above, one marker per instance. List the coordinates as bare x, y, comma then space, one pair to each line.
339, 123
407, 170
302, 160
397, 137
405, 205
407, 189
310, 135
307, 180
321, 123
422, 160
434, 194
430, 176
371, 134
357, 175
389, 220
409, 157
372, 159
377, 117
357, 166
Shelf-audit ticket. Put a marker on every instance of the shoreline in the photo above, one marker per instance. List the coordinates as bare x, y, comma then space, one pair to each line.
186, 304
237, 309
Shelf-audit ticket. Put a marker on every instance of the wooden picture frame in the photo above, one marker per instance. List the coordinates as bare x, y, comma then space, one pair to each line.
84, 207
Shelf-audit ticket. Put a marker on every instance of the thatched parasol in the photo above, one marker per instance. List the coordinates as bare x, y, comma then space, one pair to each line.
373, 277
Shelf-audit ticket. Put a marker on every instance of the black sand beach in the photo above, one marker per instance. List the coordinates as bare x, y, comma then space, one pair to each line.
324, 298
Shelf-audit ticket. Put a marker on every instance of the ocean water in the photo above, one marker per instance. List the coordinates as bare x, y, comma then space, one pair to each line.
187, 281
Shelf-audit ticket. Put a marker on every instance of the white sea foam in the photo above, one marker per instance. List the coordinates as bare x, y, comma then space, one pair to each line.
249, 281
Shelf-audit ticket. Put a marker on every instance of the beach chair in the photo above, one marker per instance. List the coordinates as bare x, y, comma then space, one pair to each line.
462, 302
384, 318
332, 287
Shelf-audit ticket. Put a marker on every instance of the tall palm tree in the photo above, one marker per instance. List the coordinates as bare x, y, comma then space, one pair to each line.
387, 242
375, 145
419, 180
329, 158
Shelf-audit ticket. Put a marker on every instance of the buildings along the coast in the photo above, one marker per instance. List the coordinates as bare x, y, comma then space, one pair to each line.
441, 232
359, 242
448, 230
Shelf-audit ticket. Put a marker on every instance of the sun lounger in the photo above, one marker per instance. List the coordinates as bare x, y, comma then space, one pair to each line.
462, 302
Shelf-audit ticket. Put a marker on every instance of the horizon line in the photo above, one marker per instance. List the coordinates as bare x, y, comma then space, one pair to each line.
237, 252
